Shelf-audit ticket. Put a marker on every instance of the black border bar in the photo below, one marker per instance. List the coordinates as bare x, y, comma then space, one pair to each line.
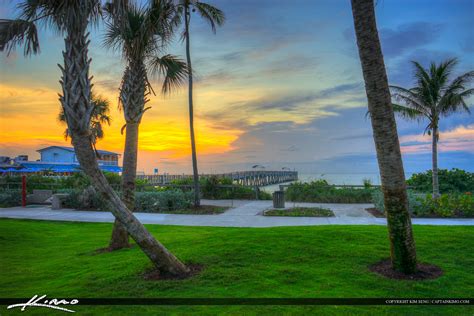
253, 301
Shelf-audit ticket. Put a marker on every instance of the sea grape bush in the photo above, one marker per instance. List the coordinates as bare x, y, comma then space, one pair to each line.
424, 205
10, 198
160, 202
214, 188
450, 181
321, 191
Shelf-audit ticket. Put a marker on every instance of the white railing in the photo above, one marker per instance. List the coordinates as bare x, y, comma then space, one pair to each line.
107, 163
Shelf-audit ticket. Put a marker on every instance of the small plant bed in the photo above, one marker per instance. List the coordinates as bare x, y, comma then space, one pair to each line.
201, 210
377, 213
300, 212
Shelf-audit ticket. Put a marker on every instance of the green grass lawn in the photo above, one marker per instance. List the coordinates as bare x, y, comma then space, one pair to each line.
300, 211
59, 259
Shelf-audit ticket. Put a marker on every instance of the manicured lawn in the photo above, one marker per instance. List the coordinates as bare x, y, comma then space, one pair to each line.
59, 259
301, 211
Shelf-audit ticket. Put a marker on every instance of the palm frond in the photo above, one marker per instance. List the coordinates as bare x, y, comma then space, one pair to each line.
172, 69
454, 96
211, 14
19, 32
407, 112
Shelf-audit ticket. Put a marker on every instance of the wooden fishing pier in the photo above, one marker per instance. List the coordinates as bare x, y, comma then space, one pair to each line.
246, 178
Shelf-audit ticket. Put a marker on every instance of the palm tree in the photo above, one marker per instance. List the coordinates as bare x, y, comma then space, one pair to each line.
100, 116
402, 245
433, 97
141, 33
215, 17
72, 18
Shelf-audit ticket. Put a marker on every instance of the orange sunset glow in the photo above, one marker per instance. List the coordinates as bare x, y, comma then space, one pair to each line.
165, 135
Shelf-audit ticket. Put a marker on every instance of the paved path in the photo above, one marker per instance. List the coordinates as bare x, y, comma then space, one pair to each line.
243, 214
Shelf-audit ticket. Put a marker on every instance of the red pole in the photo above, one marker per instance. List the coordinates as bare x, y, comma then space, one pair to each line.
23, 190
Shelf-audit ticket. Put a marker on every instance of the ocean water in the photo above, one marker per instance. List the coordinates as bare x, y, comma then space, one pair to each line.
335, 178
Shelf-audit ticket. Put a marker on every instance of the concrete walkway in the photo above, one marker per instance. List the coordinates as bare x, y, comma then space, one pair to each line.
243, 214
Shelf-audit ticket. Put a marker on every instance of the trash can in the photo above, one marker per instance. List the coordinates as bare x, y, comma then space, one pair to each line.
279, 199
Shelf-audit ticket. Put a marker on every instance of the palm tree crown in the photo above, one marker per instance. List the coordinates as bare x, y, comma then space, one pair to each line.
142, 33
100, 116
212, 15
434, 96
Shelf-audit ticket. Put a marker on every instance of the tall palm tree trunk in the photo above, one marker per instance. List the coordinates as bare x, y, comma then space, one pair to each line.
132, 97
435, 162
197, 200
119, 238
76, 102
402, 245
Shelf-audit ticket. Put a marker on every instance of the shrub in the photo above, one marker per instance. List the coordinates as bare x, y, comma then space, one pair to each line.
85, 199
77, 181
447, 205
414, 202
10, 198
321, 192
160, 202
450, 181
211, 188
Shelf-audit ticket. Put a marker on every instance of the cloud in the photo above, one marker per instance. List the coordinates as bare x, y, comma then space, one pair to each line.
407, 37
404, 38
460, 138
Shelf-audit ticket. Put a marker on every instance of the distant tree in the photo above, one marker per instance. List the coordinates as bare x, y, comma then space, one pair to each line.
402, 244
100, 116
433, 97
72, 18
215, 17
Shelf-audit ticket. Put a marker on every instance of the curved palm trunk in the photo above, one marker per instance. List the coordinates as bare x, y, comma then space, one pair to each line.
197, 200
76, 102
435, 162
384, 127
164, 260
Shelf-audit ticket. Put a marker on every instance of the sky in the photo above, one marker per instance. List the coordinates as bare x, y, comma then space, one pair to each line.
280, 85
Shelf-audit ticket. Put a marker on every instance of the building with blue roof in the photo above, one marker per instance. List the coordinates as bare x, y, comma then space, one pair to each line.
61, 160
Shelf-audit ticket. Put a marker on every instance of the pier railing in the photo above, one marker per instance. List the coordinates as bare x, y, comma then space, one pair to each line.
245, 178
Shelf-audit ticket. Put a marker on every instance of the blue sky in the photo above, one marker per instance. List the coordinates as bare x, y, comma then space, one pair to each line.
279, 84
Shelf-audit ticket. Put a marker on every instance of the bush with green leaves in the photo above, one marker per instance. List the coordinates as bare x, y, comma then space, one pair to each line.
450, 181
448, 205
214, 188
10, 198
320, 191
76, 181
424, 205
414, 202
84, 199
163, 201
